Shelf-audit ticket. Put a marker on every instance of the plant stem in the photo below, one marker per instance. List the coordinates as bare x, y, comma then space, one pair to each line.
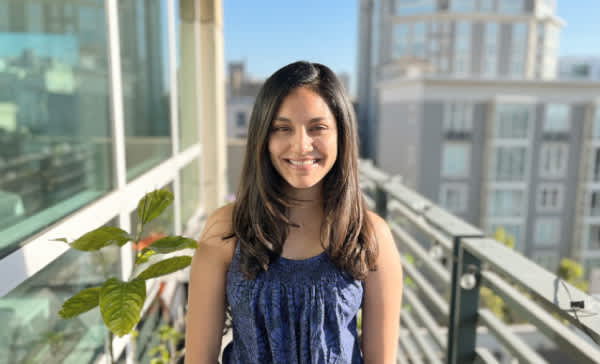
109, 346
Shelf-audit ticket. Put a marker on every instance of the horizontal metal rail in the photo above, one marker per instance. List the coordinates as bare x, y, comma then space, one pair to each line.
419, 221
553, 292
483, 356
511, 341
500, 269
424, 316
438, 302
579, 349
433, 266
409, 348
429, 352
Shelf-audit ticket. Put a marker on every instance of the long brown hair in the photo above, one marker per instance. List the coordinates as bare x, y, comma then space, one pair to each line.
260, 220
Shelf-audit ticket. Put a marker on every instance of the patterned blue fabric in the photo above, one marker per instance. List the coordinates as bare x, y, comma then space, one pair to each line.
297, 312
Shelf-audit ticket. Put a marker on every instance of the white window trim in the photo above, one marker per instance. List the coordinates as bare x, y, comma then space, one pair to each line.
468, 160
41, 250
448, 114
560, 203
462, 189
555, 221
562, 173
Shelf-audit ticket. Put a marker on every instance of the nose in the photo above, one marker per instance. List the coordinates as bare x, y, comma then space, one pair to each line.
302, 142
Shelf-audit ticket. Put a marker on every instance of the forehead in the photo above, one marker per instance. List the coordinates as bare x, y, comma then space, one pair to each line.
302, 104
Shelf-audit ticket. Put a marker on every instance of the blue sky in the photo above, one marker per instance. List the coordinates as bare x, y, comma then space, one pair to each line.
268, 34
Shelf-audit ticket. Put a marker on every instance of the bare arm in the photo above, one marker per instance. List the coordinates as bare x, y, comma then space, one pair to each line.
206, 301
382, 300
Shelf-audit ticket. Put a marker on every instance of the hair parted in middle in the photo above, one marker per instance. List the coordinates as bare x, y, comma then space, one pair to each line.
260, 219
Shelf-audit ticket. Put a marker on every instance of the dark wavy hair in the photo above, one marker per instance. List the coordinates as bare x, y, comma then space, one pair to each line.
260, 219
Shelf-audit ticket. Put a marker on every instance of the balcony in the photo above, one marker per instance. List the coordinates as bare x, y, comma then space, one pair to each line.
448, 261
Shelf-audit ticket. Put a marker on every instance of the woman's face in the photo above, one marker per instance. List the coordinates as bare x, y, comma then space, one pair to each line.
303, 139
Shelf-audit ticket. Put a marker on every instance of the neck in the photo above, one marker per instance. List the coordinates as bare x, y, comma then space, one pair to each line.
308, 208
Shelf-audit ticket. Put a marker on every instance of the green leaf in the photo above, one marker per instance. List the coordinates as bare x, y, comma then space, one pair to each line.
165, 267
152, 204
143, 256
121, 304
80, 302
170, 244
99, 238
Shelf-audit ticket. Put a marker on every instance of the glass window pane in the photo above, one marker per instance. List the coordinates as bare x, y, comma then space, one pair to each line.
486, 5
490, 49
557, 118
510, 6
146, 88
33, 332
462, 57
401, 33
505, 203
410, 7
518, 47
509, 164
419, 39
462, 6
513, 121
55, 142
190, 190
547, 231
455, 161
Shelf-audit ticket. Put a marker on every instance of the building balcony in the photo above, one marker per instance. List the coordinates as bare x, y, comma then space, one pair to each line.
449, 265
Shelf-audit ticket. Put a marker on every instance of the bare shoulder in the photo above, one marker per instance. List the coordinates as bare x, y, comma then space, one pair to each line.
380, 227
385, 241
211, 243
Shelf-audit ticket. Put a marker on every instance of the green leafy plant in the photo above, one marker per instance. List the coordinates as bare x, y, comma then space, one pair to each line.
166, 352
120, 302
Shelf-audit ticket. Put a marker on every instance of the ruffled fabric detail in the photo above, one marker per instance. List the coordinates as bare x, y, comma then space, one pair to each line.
297, 312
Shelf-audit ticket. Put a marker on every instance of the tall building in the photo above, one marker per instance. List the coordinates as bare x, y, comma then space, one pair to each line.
460, 97
100, 103
579, 68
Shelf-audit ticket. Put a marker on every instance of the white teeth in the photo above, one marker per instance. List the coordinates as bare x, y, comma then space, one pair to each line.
303, 163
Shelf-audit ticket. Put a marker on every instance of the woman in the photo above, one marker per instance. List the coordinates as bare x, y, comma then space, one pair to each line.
298, 253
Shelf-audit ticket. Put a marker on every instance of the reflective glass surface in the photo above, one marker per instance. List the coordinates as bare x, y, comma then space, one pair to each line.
146, 88
462, 6
33, 332
557, 118
513, 121
456, 159
509, 164
462, 57
401, 34
411, 7
506, 203
55, 142
510, 6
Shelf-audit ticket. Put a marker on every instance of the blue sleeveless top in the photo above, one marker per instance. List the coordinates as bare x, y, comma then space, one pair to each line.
297, 312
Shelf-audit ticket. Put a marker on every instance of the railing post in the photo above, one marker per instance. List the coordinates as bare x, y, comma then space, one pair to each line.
381, 201
464, 300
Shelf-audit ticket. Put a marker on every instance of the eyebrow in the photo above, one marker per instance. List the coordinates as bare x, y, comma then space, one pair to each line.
313, 120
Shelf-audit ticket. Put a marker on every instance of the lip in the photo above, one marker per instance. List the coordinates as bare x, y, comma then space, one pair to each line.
304, 166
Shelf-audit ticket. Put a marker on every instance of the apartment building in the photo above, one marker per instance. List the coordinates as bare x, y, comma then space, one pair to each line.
460, 97
100, 102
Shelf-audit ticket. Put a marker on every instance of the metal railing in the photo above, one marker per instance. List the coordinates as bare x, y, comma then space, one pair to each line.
451, 261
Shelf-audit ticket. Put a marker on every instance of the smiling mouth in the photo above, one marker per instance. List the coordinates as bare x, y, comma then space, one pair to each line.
302, 163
